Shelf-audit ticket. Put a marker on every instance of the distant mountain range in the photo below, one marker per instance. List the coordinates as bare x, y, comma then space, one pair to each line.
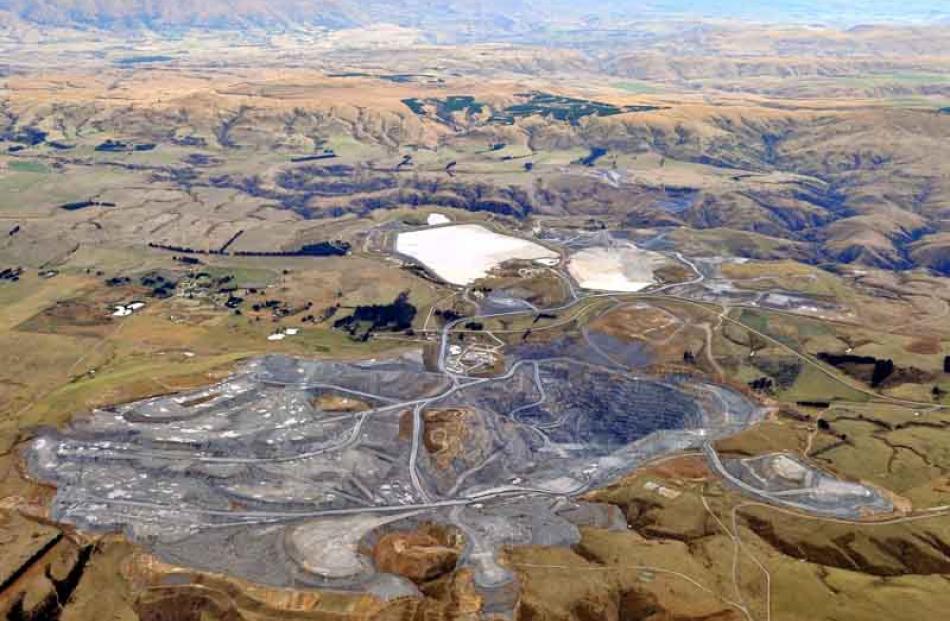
484, 16
230, 14
162, 14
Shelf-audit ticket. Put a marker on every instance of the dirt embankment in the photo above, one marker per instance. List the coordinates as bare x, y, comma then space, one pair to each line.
421, 555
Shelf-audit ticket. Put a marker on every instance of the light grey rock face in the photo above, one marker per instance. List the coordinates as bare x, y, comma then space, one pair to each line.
786, 480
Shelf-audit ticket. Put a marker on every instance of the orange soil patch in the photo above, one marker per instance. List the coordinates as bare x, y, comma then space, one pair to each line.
405, 425
448, 434
926, 345
329, 402
78, 318
632, 322
686, 467
420, 555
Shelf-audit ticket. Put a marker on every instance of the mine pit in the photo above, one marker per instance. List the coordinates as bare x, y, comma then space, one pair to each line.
317, 456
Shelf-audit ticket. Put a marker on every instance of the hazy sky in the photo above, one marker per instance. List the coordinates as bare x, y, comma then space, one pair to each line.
427, 12
852, 11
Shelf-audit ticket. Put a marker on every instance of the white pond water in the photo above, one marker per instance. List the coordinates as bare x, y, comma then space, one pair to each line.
462, 254
622, 268
436, 219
